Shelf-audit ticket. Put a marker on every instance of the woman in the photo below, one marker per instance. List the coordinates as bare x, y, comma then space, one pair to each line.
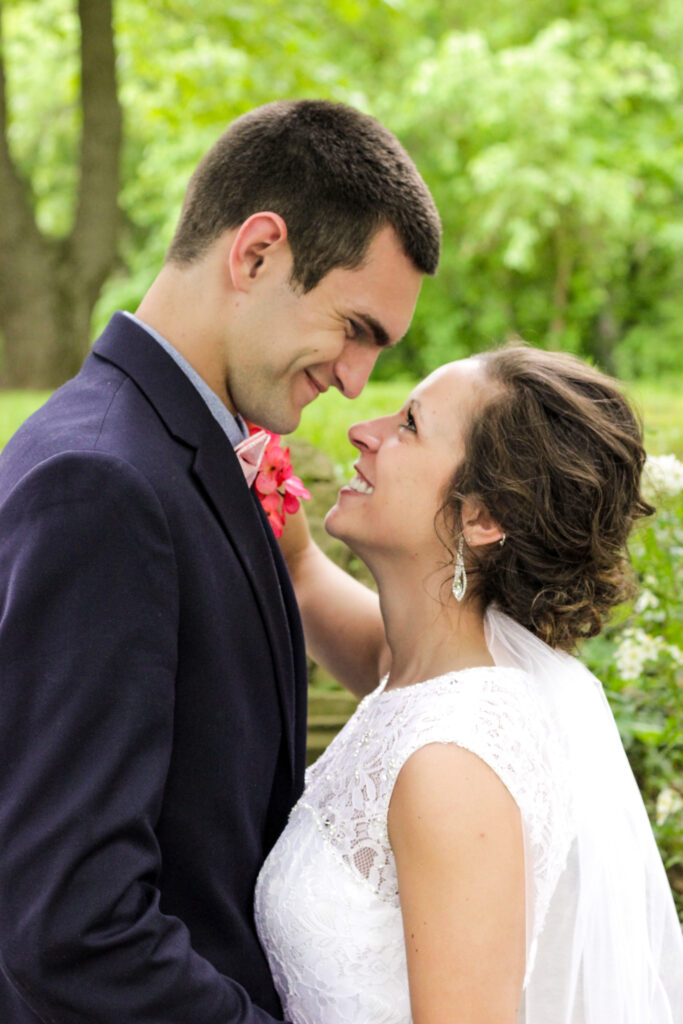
472, 846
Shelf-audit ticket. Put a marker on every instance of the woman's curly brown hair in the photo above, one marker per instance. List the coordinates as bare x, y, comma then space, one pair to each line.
556, 457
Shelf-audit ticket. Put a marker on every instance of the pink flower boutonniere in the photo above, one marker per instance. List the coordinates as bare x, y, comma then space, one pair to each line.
279, 491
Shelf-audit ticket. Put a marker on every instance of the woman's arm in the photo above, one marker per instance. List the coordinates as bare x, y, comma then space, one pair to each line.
341, 617
457, 838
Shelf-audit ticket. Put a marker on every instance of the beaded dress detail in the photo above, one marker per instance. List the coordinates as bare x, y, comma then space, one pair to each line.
327, 903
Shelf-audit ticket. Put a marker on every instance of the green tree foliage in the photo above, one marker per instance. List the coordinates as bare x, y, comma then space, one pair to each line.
556, 165
549, 132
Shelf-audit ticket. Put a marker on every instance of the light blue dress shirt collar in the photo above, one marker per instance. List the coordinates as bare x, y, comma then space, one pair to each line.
233, 426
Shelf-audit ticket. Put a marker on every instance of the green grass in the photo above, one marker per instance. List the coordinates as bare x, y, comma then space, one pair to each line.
15, 407
325, 423
660, 404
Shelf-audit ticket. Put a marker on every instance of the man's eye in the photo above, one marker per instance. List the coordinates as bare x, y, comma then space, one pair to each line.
354, 330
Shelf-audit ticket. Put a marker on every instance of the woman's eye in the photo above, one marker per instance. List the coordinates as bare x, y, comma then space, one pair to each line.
409, 422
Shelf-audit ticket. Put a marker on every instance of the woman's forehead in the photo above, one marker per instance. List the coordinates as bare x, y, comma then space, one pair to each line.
460, 382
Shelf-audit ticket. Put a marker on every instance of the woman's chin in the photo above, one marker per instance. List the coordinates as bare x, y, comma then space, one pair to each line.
331, 523
334, 525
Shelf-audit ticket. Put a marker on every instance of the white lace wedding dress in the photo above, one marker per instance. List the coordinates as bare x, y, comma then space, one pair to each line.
327, 901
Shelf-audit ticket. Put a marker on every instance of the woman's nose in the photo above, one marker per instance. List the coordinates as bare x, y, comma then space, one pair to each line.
365, 436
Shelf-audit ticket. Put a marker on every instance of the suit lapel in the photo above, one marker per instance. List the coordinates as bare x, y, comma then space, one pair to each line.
246, 525
219, 474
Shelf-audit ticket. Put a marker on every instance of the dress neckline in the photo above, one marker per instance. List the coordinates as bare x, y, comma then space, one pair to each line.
381, 690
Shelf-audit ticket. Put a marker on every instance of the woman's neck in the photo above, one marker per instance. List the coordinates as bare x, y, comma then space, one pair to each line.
428, 632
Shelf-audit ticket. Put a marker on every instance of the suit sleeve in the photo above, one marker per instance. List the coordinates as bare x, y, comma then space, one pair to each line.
88, 634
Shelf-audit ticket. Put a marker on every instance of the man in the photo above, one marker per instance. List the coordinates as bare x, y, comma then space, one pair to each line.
153, 674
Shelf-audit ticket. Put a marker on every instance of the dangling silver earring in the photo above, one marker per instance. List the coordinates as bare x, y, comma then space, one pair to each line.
502, 539
459, 576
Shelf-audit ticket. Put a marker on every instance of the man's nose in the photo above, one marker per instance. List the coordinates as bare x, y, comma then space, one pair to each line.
353, 367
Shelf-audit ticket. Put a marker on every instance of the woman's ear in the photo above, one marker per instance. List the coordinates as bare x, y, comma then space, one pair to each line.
261, 237
479, 526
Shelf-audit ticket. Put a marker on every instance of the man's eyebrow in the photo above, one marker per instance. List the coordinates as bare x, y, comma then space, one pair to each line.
379, 332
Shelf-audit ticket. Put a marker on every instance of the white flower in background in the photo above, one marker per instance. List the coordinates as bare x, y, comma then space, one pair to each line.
676, 653
663, 475
646, 600
668, 802
635, 649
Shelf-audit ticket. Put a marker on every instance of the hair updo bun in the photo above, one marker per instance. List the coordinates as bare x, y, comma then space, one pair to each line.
556, 457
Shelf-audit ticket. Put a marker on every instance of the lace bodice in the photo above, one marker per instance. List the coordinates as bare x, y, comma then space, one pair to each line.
327, 900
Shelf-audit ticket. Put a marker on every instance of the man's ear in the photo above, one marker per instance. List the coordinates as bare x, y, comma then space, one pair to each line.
478, 524
260, 238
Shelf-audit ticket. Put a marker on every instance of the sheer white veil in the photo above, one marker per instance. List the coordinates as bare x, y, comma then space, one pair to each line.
609, 948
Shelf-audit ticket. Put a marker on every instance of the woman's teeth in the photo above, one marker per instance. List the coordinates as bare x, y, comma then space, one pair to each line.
360, 485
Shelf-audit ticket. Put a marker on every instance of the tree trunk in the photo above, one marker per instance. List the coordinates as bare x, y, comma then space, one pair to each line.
45, 316
605, 339
48, 287
563, 275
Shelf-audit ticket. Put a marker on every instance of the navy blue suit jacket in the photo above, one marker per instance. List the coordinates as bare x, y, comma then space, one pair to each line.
153, 704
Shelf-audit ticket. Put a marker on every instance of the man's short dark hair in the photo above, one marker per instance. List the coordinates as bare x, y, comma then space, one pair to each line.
334, 175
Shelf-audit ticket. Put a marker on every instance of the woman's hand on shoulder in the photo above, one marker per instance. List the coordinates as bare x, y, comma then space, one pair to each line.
456, 834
